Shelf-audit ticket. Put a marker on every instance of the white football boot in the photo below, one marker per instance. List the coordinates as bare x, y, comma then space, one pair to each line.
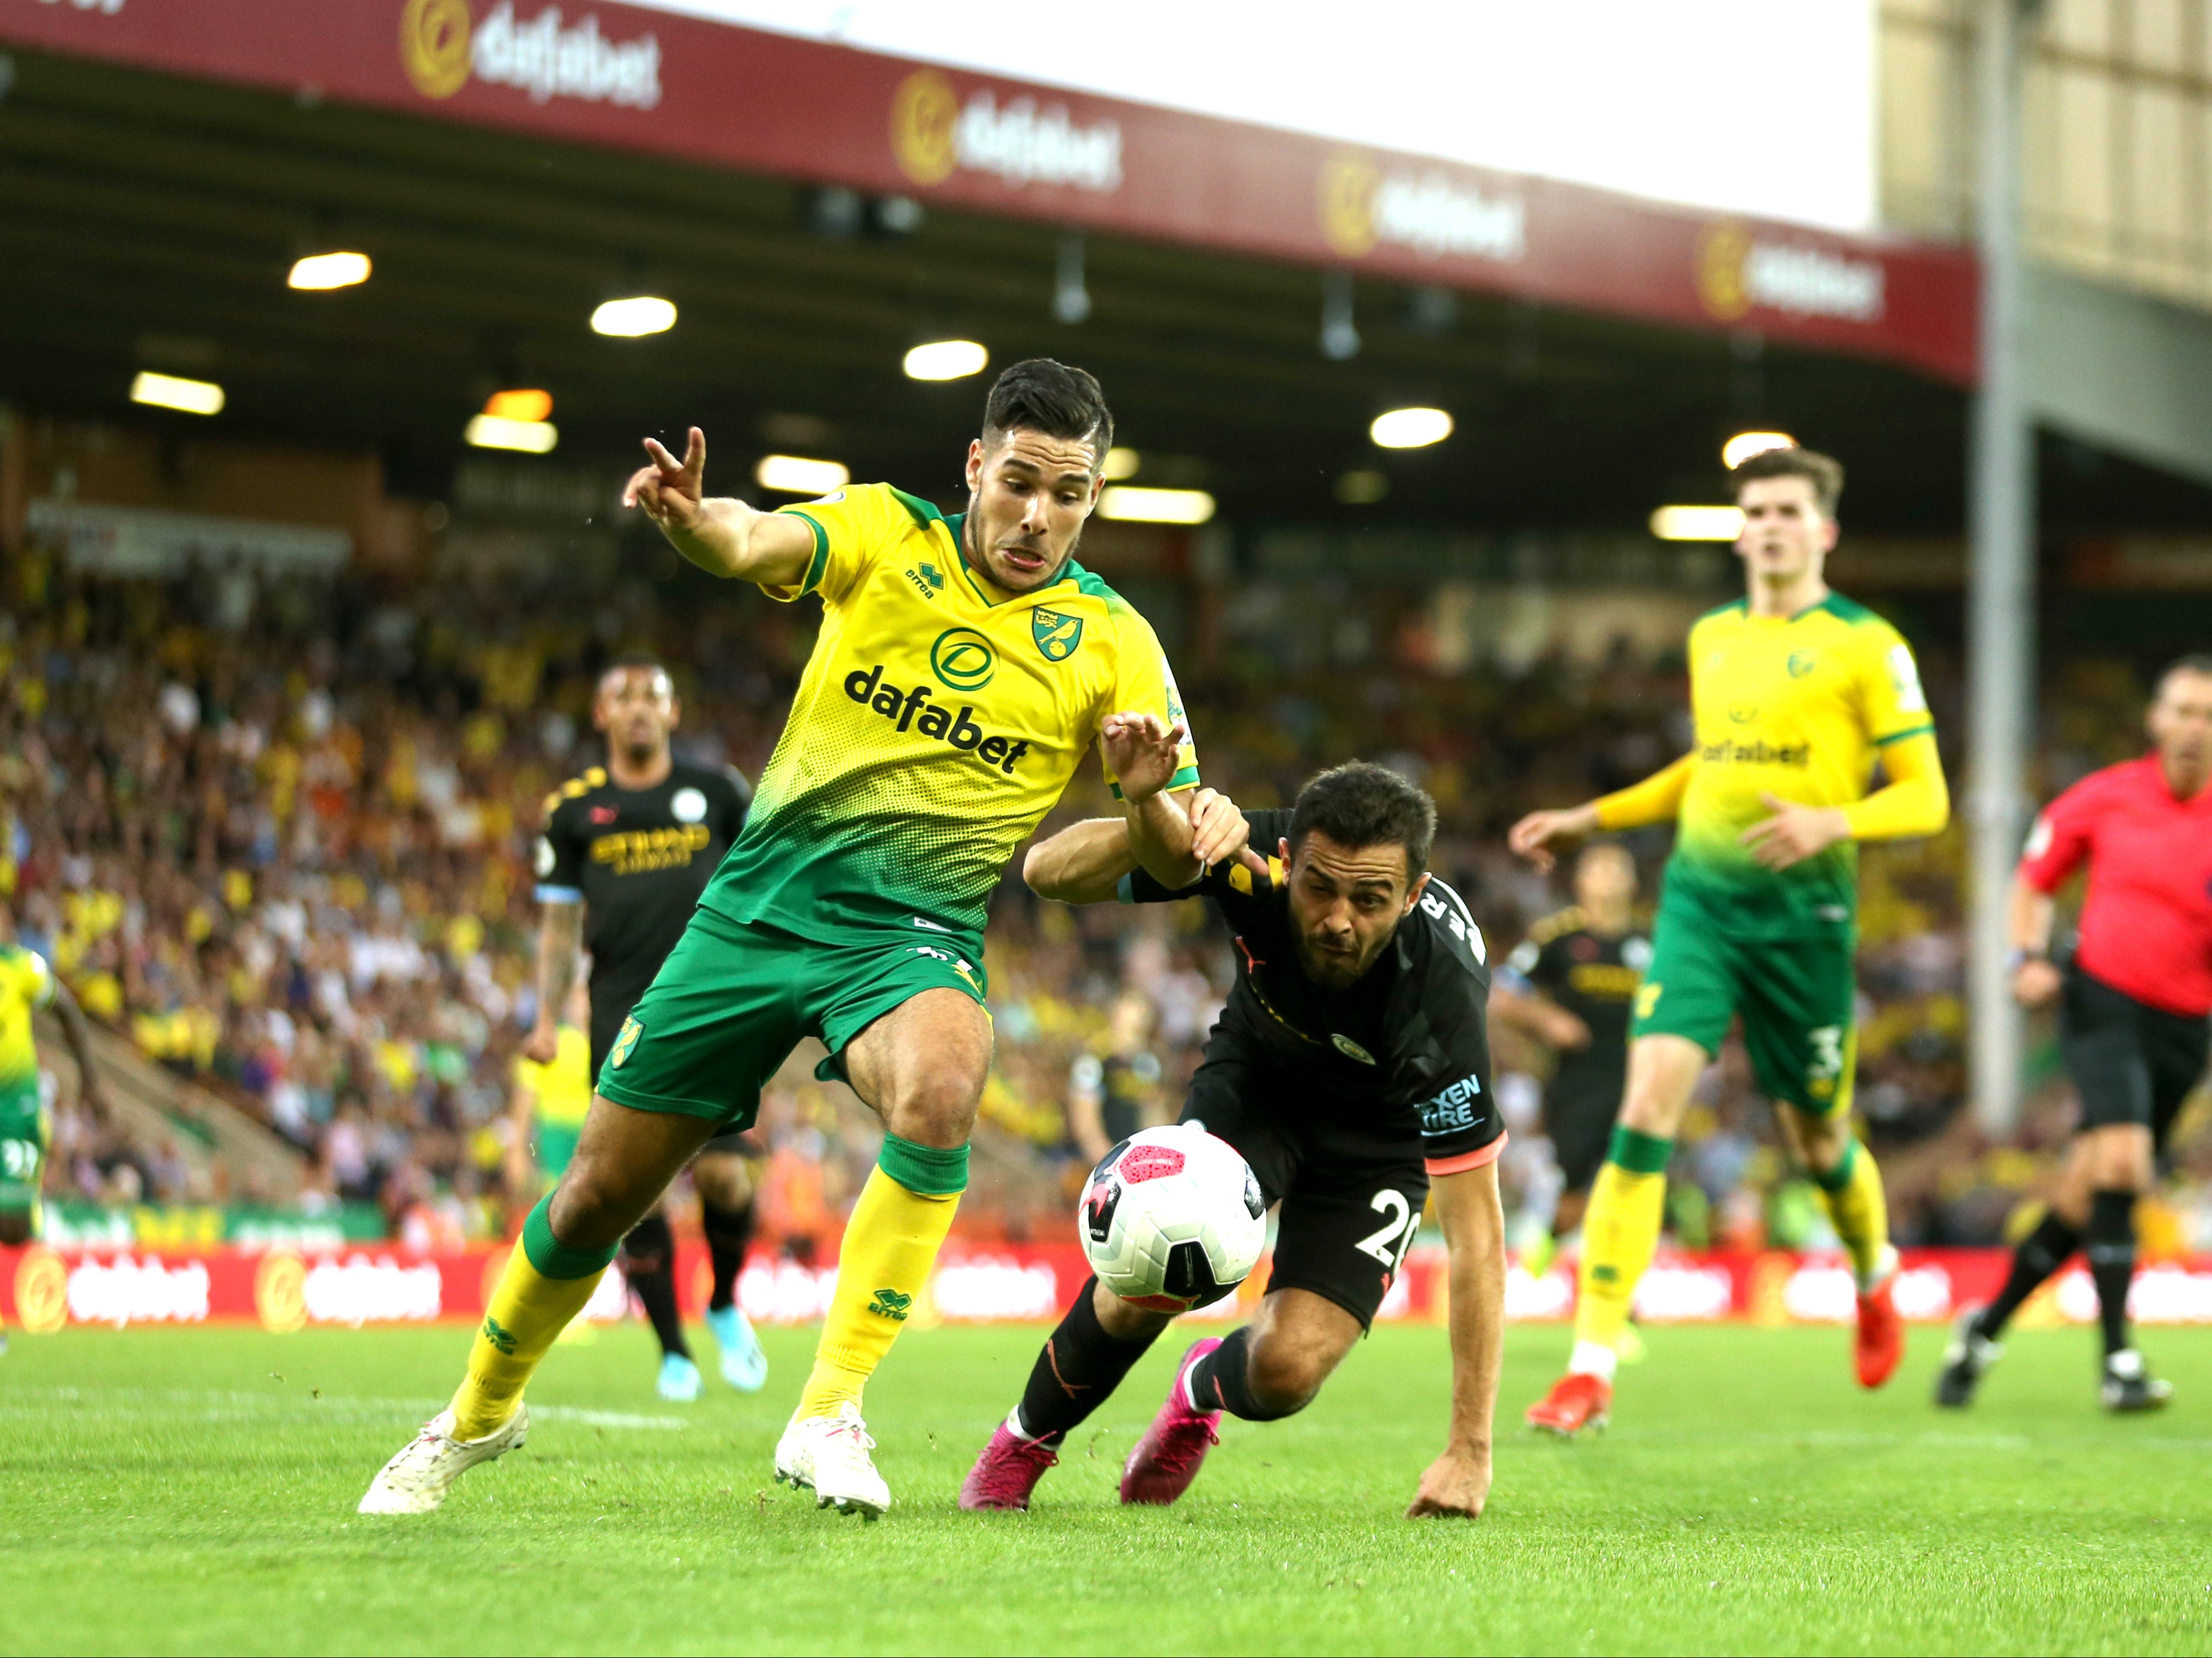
417, 1480
829, 1455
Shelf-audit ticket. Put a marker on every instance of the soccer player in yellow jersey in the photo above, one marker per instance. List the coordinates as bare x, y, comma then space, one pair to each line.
27, 984
964, 667
1797, 694
551, 1100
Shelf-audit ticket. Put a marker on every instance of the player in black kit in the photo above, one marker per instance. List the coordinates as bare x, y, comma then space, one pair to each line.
1351, 1068
625, 852
1572, 985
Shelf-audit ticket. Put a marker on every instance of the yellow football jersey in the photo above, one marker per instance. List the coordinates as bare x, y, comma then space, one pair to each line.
1800, 707
26, 983
560, 1089
938, 720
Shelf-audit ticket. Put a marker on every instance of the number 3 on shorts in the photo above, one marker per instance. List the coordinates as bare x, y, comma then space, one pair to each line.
1389, 1243
1827, 1052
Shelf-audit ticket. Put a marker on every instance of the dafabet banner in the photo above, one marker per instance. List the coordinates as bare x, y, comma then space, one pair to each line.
720, 95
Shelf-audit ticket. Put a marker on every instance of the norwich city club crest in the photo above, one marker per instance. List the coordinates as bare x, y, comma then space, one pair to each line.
1057, 634
631, 1031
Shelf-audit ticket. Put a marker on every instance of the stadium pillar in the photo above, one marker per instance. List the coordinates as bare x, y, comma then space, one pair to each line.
2001, 598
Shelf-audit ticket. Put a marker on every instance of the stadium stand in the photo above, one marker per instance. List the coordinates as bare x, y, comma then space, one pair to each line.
283, 850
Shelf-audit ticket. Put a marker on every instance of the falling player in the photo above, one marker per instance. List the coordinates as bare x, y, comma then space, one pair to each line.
2133, 1004
1352, 1069
626, 850
964, 667
1796, 693
1570, 985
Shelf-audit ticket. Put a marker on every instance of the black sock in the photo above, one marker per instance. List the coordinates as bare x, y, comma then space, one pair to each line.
728, 1232
2041, 1253
1079, 1367
649, 1264
2112, 1253
1221, 1381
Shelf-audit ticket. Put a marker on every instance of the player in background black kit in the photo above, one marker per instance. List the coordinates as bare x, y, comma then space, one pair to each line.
625, 852
1350, 1068
1111, 1094
1572, 985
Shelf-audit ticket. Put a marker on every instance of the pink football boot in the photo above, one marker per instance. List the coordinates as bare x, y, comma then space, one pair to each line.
1167, 1459
1007, 1472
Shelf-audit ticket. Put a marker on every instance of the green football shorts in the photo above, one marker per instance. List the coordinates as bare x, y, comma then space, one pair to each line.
1797, 997
22, 1145
735, 998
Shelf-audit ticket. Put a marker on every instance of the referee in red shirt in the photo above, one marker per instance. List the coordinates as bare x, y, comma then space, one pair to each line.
2135, 1016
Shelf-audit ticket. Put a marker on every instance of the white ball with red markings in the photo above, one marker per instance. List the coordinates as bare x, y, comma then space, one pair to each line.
1172, 1218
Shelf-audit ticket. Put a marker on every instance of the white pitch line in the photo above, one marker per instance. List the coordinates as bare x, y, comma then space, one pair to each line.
347, 1404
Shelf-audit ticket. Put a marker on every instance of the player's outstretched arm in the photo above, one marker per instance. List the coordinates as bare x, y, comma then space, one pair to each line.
1656, 799
1084, 863
1467, 1204
722, 536
1144, 753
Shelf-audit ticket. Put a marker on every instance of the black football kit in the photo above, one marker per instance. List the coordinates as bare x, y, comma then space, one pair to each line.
637, 859
1343, 1101
1594, 976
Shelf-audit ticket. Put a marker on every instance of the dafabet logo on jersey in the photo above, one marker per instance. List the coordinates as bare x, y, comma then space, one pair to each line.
442, 47
911, 710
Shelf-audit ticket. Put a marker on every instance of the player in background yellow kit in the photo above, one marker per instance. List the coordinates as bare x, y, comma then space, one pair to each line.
1798, 693
27, 984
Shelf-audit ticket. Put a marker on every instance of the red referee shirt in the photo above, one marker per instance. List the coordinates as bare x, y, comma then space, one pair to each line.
2146, 923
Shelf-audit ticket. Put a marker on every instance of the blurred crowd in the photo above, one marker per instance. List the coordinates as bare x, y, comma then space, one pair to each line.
277, 831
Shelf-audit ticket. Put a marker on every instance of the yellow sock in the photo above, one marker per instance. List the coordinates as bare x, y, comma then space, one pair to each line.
1620, 1230
545, 1284
1852, 1194
883, 1266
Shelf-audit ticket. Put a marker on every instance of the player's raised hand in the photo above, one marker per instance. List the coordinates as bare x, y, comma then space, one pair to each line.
1794, 832
672, 492
1456, 1482
543, 1042
1532, 836
1143, 752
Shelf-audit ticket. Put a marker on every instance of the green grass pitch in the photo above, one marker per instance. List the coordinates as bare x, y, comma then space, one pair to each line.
169, 1491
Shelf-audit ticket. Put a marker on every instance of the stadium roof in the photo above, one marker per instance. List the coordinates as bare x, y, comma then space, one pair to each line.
152, 218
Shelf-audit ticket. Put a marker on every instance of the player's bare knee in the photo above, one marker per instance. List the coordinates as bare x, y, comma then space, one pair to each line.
722, 1180
1283, 1379
587, 1213
936, 1111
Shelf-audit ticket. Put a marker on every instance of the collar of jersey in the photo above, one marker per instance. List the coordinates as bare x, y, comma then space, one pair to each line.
982, 588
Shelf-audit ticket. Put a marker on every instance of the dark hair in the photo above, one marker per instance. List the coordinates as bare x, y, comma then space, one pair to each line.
633, 659
1824, 472
1360, 805
1040, 395
2195, 662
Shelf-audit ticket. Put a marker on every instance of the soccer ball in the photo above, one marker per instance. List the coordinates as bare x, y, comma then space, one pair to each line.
1172, 1218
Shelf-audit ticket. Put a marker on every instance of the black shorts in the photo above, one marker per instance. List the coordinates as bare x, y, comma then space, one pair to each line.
1351, 1192
1580, 1108
1580, 1128
2133, 1063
